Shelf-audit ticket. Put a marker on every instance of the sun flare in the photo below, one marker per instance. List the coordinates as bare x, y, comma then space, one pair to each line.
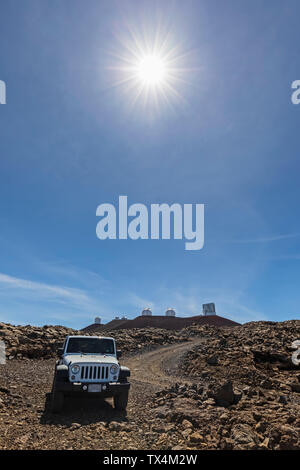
150, 68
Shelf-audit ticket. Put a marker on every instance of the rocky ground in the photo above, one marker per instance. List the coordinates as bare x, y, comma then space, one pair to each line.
206, 388
42, 342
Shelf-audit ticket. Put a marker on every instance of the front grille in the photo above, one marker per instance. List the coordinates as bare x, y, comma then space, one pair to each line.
94, 372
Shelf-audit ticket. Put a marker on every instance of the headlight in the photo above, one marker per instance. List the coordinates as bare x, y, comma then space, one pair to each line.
114, 369
75, 369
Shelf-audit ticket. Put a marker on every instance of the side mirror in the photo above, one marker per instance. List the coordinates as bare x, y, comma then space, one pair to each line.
60, 351
119, 353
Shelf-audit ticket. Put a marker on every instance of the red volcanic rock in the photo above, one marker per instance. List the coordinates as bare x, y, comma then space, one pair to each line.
172, 323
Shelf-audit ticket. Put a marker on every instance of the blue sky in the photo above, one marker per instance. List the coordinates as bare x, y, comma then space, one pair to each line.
71, 139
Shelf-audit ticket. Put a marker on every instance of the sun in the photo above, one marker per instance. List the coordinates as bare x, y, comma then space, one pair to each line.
152, 70
150, 67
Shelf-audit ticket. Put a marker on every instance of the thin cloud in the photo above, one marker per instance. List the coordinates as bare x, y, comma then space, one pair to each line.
85, 277
44, 290
271, 238
75, 306
295, 257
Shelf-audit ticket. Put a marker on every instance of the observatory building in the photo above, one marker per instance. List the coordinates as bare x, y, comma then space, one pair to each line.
98, 320
208, 309
146, 312
170, 312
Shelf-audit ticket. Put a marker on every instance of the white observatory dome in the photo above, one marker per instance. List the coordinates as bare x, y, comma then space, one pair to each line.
146, 312
170, 312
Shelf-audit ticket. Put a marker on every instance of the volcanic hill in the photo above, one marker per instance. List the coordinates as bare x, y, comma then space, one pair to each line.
161, 321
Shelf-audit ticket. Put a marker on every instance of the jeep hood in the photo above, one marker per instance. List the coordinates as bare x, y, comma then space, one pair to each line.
84, 359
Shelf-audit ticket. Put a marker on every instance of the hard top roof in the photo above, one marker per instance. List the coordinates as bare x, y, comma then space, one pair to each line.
88, 336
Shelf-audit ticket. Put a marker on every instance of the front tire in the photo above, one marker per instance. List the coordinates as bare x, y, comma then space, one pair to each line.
121, 400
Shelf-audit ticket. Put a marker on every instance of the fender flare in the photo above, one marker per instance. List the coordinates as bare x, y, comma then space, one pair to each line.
62, 371
124, 372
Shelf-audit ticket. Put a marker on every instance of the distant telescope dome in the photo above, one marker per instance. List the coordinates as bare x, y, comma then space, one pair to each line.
146, 312
170, 312
98, 320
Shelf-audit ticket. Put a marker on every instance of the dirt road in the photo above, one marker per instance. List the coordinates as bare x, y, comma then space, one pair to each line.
159, 367
85, 424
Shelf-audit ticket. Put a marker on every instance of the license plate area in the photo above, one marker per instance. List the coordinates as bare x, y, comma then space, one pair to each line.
94, 388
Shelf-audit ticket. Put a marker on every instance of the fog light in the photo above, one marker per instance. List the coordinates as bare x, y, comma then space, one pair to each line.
73, 377
84, 387
103, 387
115, 377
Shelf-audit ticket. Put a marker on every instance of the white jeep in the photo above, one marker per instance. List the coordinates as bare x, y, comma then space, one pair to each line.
89, 366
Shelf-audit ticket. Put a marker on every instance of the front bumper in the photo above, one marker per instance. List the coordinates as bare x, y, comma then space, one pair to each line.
77, 389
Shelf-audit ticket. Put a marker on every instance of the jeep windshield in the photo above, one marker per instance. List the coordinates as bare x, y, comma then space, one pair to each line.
90, 346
